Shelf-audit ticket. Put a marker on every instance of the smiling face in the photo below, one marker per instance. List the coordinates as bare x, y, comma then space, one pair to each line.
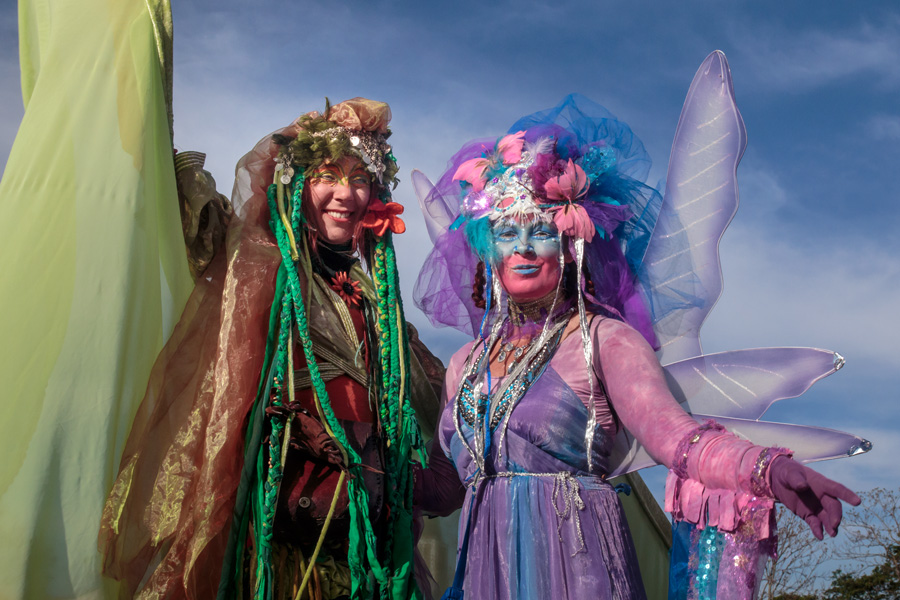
339, 194
528, 255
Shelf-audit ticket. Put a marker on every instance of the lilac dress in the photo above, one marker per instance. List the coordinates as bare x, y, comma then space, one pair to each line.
543, 526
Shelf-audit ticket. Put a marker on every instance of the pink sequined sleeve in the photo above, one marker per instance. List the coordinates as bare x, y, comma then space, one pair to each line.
714, 474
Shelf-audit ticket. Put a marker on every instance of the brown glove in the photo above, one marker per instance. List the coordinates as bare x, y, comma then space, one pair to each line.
308, 434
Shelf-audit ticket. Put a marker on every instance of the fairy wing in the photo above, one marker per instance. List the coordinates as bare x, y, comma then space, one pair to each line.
682, 279
745, 383
680, 274
736, 388
809, 444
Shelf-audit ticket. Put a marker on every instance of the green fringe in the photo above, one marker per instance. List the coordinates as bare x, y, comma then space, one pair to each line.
394, 569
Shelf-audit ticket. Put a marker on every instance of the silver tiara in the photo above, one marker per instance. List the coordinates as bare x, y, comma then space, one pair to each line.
371, 147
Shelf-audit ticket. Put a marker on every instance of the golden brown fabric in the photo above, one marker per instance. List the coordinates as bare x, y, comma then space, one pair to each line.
174, 496
205, 213
165, 524
330, 580
361, 114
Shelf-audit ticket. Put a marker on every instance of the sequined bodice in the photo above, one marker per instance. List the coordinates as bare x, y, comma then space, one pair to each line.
544, 433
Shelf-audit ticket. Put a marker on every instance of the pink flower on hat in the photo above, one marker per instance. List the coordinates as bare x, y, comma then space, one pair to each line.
571, 185
573, 220
472, 171
510, 148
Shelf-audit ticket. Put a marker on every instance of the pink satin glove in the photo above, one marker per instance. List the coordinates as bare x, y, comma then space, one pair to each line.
810, 495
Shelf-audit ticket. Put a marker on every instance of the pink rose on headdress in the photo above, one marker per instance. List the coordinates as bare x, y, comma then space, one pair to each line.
573, 220
570, 185
510, 148
472, 171
381, 217
361, 114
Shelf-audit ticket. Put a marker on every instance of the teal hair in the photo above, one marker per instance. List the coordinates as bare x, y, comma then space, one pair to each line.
480, 237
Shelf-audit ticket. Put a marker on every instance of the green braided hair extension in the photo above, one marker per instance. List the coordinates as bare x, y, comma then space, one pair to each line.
269, 464
362, 556
397, 416
392, 570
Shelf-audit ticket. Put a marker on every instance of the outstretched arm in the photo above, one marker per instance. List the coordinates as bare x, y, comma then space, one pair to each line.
707, 454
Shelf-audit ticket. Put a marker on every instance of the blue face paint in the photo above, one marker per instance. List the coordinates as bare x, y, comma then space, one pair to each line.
527, 256
537, 239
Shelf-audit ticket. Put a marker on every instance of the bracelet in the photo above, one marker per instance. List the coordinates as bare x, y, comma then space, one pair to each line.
683, 450
760, 480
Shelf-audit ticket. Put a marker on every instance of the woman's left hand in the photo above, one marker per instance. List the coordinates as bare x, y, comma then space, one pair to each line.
810, 495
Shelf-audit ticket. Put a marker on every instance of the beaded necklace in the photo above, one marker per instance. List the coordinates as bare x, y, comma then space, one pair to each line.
483, 412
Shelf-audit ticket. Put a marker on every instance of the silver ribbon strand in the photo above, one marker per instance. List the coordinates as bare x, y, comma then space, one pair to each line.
588, 355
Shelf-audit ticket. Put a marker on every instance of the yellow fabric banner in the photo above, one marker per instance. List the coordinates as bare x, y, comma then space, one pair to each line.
94, 278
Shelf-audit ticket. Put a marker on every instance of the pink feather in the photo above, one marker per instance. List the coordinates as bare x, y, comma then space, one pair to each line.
510, 148
573, 220
570, 186
472, 171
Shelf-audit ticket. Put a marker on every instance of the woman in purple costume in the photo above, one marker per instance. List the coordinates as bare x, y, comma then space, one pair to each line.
554, 230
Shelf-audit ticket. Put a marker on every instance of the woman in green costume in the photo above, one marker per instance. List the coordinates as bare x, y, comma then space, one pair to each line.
279, 426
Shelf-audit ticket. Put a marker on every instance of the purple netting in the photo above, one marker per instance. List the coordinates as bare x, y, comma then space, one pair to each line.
616, 202
444, 288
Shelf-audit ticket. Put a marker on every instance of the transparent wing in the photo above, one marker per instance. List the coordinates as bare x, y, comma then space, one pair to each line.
439, 214
682, 279
809, 444
680, 274
745, 383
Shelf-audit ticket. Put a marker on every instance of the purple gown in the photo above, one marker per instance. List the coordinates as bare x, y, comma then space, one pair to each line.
529, 538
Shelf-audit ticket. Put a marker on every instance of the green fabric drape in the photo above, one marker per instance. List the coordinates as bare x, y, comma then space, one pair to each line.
94, 277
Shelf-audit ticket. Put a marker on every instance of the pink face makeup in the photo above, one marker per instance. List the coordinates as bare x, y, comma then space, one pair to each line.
339, 193
528, 255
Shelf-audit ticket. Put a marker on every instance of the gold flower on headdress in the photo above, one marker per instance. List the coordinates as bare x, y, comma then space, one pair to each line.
361, 114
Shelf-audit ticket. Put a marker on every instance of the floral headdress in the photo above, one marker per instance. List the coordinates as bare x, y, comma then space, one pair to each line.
356, 127
529, 180
575, 165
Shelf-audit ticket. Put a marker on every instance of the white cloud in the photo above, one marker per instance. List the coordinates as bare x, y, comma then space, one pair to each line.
833, 292
792, 58
884, 127
763, 187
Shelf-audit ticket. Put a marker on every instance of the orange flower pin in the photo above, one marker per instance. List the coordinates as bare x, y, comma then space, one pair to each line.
381, 217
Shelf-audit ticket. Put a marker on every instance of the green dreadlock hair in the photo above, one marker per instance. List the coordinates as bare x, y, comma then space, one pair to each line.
392, 567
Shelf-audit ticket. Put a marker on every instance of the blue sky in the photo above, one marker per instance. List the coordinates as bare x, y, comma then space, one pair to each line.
813, 256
